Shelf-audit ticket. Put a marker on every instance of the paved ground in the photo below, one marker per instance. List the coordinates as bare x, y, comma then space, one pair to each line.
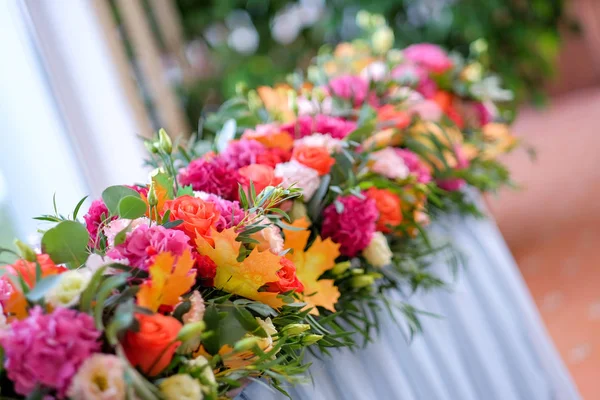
553, 226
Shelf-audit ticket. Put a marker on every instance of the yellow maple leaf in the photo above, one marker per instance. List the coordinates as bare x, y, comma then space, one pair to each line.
170, 277
312, 263
242, 278
276, 101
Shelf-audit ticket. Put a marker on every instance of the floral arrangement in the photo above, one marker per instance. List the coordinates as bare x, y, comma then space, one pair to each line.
227, 266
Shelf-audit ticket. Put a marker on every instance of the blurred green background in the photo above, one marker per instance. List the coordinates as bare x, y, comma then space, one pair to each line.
259, 41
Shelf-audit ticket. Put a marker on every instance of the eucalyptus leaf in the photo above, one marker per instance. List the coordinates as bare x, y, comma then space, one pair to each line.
112, 195
66, 243
131, 207
42, 287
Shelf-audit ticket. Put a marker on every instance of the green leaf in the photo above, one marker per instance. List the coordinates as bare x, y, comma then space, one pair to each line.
131, 207
211, 318
123, 318
361, 133
41, 288
66, 243
248, 321
225, 135
85, 301
104, 292
112, 196
77, 207
185, 191
173, 224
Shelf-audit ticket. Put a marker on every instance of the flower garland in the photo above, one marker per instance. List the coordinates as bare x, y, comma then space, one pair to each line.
228, 265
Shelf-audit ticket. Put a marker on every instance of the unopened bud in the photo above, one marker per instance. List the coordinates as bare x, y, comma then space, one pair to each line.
191, 331
152, 198
341, 267
295, 329
311, 339
362, 281
245, 344
26, 252
164, 141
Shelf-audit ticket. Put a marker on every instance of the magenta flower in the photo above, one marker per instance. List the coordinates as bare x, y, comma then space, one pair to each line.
337, 128
242, 153
353, 227
213, 176
143, 243
97, 213
231, 212
350, 87
415, 165
48, 350
429, 56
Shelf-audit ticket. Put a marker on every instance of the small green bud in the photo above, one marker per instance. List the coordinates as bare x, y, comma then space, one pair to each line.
341, 267
164, 141
26, 252
358, 271
152, 199
295, 329
308, 340
191, 331
362, 281
245, 344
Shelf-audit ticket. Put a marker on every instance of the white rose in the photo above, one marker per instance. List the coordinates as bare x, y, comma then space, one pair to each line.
68, 289
378, 252
181, 387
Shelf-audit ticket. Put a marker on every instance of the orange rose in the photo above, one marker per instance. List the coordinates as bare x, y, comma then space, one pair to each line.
389, 207
389, 113
317, 158
151, 348
260, 175
197, 215
16, 305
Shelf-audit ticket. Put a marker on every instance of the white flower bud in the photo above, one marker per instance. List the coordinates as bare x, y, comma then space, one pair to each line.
378, 252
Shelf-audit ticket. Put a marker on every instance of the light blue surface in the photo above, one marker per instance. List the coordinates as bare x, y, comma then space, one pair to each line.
490, 343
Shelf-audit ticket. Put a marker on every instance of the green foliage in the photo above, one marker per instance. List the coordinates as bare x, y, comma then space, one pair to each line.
519, 40
67, 243
113, 195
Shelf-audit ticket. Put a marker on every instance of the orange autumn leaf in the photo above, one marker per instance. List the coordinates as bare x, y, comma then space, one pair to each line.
242, 278
170, 277
311, 264
276, 101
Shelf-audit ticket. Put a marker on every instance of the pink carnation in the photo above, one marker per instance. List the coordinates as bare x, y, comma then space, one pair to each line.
429, 56
144, 242
242, 153
454, 184
337, 128
352, 228
424, 84
48, 350
231, 212
350, 87
213, 176
415, 165
97, 213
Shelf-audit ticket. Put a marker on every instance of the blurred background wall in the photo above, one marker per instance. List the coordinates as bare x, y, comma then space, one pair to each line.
86, 79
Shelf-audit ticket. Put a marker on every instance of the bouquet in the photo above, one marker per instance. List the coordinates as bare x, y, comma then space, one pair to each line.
229, 264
